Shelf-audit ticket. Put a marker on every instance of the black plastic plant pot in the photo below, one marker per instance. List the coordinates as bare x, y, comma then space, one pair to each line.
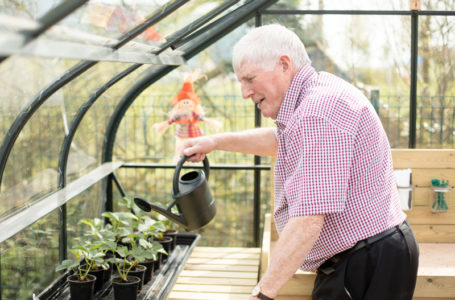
107, 274
173, 234
125, 290
99, 282
149, 271
166, 242
81, 289
157, 262
138, 271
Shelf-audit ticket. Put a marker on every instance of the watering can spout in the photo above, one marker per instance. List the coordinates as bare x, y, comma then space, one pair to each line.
147, 206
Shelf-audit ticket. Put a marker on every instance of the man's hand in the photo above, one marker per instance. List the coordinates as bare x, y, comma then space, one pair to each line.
197, 148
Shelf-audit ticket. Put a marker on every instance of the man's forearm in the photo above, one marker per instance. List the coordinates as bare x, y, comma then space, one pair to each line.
258, 141
296, 240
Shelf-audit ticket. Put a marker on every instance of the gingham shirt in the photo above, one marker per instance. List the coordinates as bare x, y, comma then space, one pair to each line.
333, 159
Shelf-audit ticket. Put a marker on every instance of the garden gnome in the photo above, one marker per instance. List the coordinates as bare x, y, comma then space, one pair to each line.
187, 112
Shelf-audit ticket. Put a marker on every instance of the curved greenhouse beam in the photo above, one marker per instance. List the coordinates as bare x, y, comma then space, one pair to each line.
51, 18
65, 149
225, 25
180, 34
69, 75
55, 15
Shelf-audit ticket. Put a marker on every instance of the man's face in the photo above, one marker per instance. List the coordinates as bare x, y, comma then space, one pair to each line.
265, 88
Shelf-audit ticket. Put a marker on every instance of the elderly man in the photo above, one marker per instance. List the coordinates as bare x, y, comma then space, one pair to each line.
336, 204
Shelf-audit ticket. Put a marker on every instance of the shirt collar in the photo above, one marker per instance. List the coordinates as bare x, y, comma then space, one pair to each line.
291, 101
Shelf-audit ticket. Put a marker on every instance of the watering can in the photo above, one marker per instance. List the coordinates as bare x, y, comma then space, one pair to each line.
192, 197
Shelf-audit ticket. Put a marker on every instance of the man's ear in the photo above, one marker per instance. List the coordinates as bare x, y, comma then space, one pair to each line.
285, 62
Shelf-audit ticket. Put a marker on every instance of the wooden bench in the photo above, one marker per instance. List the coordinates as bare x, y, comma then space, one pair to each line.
435, 232
218, 273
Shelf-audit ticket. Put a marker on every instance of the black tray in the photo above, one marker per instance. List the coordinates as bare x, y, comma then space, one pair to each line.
158, 288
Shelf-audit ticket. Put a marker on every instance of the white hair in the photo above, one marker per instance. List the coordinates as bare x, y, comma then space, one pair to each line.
263, 46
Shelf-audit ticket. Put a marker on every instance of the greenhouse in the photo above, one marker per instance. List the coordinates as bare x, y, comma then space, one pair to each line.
91, 168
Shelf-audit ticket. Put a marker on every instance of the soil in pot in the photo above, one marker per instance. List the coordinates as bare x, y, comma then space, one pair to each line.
125, 290
81, 289
150, 264
138, 271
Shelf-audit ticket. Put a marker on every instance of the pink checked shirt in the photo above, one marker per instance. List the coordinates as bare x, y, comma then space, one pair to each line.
333, 159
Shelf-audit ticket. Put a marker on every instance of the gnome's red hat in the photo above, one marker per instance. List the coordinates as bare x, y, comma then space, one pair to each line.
187, 92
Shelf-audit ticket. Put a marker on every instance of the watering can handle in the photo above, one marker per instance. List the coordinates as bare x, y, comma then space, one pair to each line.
179, 167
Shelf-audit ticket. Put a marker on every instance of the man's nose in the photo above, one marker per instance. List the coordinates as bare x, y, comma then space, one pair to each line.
247, 91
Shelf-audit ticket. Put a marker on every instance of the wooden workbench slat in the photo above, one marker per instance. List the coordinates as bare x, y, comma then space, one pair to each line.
423, 158
226, 255
435, 287
230, 268
218, 274
207, 296
226, 250
215, 281
422, 177
218, 261
422, 215
434, 233
200, 288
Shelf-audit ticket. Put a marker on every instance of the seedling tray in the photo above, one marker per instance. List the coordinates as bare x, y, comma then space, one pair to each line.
157, 289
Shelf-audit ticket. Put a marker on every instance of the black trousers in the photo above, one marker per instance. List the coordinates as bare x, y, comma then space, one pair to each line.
383, 270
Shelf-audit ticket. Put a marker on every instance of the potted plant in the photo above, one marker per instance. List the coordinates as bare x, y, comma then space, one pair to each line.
81, 283
151, 250
148, 232
125, 286
131, 248
95, 237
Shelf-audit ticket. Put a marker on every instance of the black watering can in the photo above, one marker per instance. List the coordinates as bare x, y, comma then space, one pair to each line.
191, 195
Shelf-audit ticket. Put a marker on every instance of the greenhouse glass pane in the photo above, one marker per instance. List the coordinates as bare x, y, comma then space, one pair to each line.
113, 18
92, 130
177, 20
29, 259
22, 80
436, 82
31, 170
109, 18
371, 52
343, 5
85, 150
86, 205
30, 9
